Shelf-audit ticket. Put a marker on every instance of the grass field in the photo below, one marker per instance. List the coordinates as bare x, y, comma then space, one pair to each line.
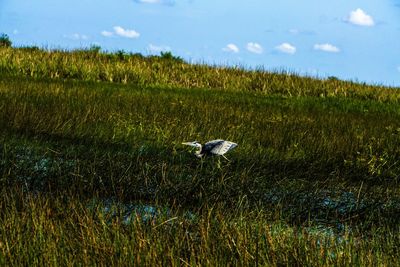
92, 169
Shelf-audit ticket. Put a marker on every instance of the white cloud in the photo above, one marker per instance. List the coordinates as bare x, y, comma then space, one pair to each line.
302, 32
254, 48
231, 48
125, 32
158, 48
327, 48
118, 30
286, 48
359, 17
107, 33
77, 36
15, 32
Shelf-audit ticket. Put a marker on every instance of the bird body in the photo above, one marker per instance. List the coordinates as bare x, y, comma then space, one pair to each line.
215, 147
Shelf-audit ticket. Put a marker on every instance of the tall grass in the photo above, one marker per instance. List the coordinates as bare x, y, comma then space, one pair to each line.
43, 230
128, 139
92, 65
314, 180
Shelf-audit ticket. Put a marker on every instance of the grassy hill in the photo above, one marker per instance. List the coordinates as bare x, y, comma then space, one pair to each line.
90, 140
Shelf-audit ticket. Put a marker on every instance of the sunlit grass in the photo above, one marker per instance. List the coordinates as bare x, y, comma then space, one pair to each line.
92, 65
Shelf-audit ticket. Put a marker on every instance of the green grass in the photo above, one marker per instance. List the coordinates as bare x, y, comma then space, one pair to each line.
171, 72
314, 180
52, 230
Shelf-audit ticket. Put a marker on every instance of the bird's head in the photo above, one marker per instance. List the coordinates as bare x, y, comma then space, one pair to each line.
192, 144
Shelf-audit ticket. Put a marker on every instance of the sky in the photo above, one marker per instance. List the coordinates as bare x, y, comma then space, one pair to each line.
356, 40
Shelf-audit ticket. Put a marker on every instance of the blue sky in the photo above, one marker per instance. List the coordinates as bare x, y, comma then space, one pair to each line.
351, 39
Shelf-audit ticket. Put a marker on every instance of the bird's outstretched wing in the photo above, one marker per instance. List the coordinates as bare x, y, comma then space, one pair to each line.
211, 144
222, 147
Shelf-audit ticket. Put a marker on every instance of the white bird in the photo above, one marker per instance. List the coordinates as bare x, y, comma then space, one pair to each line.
215, 147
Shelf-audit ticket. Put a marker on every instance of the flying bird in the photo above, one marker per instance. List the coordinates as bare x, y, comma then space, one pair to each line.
215, 147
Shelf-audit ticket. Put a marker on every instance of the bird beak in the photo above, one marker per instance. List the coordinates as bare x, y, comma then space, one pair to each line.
187, 143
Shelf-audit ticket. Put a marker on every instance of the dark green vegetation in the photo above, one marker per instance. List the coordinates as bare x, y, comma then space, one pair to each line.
314, 181
5, 40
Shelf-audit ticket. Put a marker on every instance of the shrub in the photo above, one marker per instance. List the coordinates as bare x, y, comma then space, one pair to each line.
30, 48
95, 49
170, 57
5, 40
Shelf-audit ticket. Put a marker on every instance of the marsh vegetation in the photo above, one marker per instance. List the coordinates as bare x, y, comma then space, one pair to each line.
314, 180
